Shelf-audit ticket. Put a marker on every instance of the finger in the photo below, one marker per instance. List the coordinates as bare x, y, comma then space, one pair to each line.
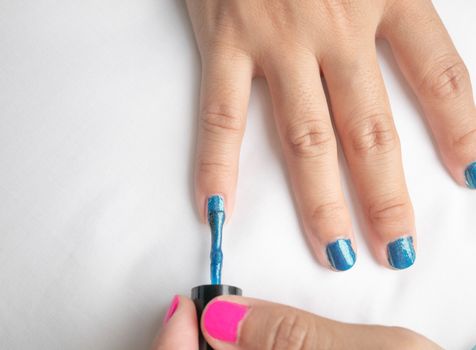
310, 150
226, 83
180, 331
232, 323
438, 76
370, 142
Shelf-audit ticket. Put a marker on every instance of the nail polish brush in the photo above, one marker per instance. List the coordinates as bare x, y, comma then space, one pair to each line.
202, 295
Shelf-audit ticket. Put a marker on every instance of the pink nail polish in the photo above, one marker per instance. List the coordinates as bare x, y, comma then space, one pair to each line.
172, 308
222, 318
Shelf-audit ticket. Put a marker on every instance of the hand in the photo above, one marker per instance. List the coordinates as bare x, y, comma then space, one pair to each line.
237, 323
289, 43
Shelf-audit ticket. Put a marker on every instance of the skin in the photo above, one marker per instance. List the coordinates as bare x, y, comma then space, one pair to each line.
290, 44
269, 326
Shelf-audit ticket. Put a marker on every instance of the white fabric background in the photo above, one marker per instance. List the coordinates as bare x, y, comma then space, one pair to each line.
98, 229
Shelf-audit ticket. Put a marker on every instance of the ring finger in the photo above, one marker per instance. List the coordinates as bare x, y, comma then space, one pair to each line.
371, 146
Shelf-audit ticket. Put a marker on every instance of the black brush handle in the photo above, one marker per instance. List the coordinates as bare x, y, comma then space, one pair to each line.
201, 296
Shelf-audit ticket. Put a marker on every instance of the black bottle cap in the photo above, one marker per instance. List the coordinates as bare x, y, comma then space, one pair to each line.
201, 296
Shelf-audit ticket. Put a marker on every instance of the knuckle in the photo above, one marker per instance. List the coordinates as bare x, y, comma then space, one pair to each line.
310, 138
207, 167
290, 332
373, 135
447, 78
393, 210
468, 139
221, 120
328, 211
460, 145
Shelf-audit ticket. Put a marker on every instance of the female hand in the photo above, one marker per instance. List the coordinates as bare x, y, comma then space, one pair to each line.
237, 323
290, 43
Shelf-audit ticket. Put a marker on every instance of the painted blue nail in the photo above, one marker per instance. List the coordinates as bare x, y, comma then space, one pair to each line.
216, 219
401, 253
340, 254
215, 204
470, 175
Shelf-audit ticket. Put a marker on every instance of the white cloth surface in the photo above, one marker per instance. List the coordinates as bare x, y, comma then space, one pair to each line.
98, 226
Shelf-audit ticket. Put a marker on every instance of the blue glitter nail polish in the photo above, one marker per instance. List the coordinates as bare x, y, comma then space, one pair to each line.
216, 219
401, 253
340, 254
470, 175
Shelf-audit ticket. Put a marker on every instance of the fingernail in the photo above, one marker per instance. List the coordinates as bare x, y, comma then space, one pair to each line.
215, 204
401, 253
216, 219
470, 175
172, 308
222, 318
340, 254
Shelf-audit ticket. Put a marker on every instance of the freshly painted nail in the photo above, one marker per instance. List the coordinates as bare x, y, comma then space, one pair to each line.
222, 319
215, 204
172, 308
340, 254
470, 175
216, 219
401, 253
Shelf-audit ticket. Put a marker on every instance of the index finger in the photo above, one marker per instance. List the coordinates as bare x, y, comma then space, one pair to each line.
225, 90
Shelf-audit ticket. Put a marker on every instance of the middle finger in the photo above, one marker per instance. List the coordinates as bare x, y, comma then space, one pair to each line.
309, 146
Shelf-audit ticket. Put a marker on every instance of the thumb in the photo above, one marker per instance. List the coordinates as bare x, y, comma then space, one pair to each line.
232, 323
237, 323
179, 331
